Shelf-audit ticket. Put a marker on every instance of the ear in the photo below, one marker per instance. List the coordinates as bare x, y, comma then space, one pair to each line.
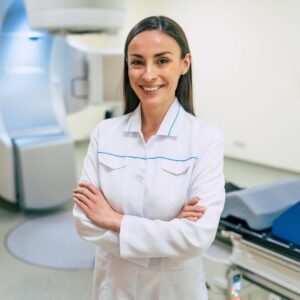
186, 63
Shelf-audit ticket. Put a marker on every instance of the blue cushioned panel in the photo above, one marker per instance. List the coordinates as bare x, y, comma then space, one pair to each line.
287, 225
260, 205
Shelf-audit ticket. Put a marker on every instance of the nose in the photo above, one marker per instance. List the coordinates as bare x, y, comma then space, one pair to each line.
150, 72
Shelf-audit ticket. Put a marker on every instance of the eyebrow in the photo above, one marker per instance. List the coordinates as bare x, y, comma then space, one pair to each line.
156, 55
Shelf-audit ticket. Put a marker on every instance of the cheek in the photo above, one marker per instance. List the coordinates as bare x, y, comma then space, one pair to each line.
133, 76
174, 78
173, 74
133, 81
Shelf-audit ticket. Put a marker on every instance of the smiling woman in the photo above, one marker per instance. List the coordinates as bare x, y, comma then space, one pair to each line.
154, 73
152, 187
173, 38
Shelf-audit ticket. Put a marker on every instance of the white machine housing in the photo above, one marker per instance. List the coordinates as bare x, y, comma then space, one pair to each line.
36, 149
76, 15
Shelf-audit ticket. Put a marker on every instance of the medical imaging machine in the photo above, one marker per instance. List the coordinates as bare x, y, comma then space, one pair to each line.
256, 255
42, 78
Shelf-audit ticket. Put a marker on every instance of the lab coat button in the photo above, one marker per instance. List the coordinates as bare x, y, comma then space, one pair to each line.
140, 178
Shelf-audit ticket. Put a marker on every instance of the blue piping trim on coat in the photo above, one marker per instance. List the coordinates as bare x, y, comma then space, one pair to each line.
130, 123
174, 120
130, 126
146, 158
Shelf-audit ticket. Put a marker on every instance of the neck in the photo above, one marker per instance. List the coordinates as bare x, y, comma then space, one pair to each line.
152, 118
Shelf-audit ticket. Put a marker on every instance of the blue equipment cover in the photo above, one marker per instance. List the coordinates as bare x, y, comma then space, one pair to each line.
260, 205
287, 225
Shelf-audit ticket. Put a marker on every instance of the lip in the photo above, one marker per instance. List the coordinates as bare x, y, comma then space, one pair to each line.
151, 89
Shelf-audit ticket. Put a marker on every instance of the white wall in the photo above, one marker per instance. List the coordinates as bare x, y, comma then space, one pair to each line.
246, 65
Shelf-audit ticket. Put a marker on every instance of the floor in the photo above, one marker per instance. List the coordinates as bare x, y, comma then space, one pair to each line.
22, 281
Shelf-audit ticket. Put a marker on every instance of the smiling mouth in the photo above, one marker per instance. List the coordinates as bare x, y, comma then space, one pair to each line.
151, 89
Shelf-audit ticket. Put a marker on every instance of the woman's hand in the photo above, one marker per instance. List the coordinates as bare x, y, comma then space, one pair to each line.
93, 203
191, 211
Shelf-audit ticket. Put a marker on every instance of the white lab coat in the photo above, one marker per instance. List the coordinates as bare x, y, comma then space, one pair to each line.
155, 256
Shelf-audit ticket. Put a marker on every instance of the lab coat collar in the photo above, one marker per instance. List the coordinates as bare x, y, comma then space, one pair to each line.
170, 125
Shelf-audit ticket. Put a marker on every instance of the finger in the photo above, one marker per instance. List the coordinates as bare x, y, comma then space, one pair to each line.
90, 187
81, 205
193, 219
191, 214
83, 199
86, 192
195, 208
193, 201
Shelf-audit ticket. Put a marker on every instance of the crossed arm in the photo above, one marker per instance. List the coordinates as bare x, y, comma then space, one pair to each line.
94, 205
188, 234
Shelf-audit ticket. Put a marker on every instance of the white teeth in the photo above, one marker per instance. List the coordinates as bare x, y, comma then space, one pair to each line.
150, 89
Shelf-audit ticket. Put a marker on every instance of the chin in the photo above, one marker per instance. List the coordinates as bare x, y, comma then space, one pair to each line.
151, 101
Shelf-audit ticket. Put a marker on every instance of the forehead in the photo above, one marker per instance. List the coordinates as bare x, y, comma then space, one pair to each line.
151, 42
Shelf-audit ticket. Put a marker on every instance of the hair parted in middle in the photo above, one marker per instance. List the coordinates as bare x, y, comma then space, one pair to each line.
184, 90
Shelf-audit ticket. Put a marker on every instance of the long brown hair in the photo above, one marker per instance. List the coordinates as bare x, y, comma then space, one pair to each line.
184, 90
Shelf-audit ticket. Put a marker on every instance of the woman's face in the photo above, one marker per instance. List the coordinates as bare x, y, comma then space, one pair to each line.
154, 67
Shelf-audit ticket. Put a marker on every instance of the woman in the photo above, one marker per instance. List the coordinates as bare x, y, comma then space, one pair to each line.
145, 173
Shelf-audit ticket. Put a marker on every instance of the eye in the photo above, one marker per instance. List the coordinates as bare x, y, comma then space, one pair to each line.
163, 61
135, 62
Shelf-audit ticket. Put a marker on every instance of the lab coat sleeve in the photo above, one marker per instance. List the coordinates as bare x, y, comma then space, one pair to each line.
140, 237
105, 239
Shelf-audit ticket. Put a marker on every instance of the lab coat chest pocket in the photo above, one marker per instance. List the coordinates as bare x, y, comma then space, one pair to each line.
173, 184
176, 168
176, 176
112, 171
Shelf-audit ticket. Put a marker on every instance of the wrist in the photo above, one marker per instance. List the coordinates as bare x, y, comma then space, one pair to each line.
116, 226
